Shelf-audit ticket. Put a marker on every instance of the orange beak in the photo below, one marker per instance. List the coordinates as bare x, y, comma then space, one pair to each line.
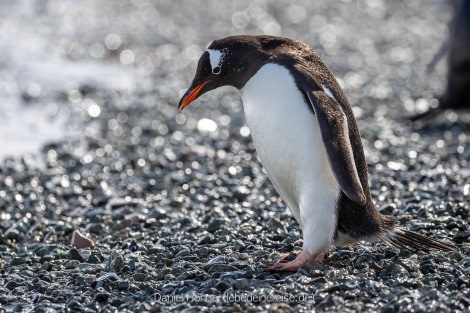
190, 95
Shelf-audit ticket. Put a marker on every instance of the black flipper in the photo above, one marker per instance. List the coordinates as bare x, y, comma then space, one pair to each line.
335, 135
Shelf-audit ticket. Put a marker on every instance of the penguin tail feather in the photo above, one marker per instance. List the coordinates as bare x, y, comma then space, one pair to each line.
408, 240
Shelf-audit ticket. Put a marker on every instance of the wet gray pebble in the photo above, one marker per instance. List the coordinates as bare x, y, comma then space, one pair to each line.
202, 252
16, 261
398, 271
221, 268
12, 233
115, 262
215, 224
95, 228
109, 276
71, 264
73, 254
205, 239
101, 297
47, 266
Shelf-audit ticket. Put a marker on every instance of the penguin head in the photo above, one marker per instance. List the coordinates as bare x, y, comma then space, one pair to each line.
230, 61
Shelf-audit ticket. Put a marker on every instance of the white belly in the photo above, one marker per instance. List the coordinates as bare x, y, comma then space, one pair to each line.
288, 141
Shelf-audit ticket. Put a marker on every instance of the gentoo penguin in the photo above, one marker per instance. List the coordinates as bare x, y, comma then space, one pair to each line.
457, 94
307, 139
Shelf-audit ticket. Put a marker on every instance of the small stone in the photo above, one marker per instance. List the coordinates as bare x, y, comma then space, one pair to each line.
16, 308
75, 255
276, 225
205, 239
12, 234
318, 280
188, 275
389, 309
184, 252
10, 285
131, 264
239, 245
281, 307
461, 236
220, 259
455, 255
232, 275
240, 284
243, 256
158, 213
101, 297
90, 279
16, 261
220, 268
219, 245
109, 276
236, 308
46, 266
116, 203
452, 286
241, 192
126, 223
135, 217
79, 241
79, 211
115, 262
155, 250
122, 234
94, 259
74, 304
139, 276
215, 224
117, 302
312, 265
79, 280
332, 288
71, 264
96, 228
350, 285
169, 277
122, 285
399, 271
222, 286
387, 209
202, 252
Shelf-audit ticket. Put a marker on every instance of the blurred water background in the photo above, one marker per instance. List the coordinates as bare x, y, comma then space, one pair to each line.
55, 52
52, 53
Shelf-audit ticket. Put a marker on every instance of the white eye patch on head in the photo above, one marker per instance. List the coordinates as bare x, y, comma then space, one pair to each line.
216, 57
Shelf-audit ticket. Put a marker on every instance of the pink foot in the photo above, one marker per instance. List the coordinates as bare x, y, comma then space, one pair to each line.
294, 265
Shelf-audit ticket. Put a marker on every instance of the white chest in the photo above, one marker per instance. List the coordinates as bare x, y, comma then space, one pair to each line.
288, 141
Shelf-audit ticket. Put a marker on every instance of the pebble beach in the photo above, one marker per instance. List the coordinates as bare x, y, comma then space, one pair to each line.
111, 200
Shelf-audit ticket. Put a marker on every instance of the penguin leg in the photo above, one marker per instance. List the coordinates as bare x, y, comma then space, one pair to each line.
293, 266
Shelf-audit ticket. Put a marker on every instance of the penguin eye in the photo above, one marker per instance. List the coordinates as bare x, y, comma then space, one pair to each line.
216, 70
